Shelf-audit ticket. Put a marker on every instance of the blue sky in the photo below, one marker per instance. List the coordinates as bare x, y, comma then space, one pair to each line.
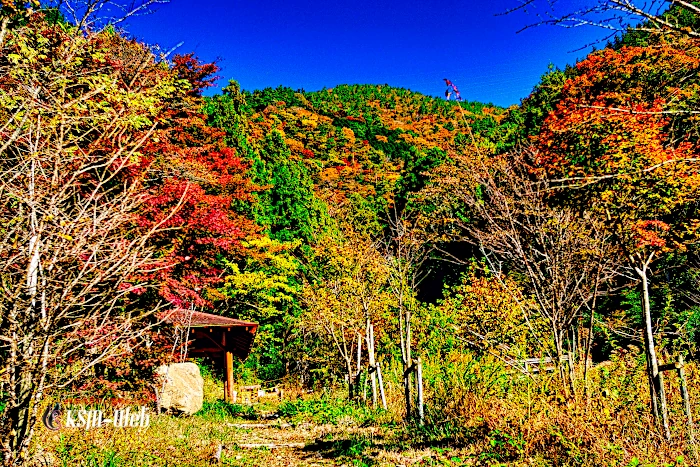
410, 44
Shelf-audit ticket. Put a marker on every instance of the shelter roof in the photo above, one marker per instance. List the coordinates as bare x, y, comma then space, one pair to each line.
198, 319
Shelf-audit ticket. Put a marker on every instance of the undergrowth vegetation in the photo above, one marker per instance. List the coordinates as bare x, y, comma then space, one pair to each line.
478, 413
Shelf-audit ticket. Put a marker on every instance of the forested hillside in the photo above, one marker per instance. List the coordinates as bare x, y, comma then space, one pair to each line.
515, 282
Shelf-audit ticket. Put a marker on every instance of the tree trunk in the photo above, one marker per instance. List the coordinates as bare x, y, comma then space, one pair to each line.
559, 359
654, 402
657, 383
589, 343
407, 367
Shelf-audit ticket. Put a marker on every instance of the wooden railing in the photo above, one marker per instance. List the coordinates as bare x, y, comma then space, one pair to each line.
537, 365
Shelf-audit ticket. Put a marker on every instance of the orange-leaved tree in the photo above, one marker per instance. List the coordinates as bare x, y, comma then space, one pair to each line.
192, 166
622, 144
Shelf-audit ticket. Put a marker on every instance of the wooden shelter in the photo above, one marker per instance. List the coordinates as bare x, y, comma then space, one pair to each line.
217, 337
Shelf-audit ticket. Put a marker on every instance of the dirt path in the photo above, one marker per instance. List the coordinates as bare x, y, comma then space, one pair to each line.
279, 444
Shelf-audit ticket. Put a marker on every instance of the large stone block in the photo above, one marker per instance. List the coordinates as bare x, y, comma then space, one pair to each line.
181, 388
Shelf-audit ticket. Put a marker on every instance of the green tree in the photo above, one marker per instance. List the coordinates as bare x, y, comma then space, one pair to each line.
288, 208
266, 288
228, 111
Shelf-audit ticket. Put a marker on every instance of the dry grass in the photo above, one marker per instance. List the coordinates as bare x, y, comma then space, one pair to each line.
478, 414
515, 419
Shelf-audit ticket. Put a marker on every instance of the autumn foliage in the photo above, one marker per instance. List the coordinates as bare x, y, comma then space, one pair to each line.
620, 134
481, 241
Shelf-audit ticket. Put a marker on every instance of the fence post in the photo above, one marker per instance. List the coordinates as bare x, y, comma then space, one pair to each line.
381, 385
686, 403
419, 377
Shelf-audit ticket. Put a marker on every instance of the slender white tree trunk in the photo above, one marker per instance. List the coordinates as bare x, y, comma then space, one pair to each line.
658, 395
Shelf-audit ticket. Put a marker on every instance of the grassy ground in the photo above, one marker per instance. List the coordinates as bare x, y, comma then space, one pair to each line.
313, 430
488, 418
338, 435
308, 430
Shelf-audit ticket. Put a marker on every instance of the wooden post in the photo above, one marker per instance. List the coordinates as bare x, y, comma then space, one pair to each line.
364, 389
408, 370
652, 383
381, 386
419, 384
228, 383
663, 406
359, 354
372, 361
358, 369
350, 376
686, 403
229, 376
223, 345
572, 352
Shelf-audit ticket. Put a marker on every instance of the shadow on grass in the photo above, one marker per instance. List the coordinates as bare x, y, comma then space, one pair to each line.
439, 439
340, 448
220, 409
